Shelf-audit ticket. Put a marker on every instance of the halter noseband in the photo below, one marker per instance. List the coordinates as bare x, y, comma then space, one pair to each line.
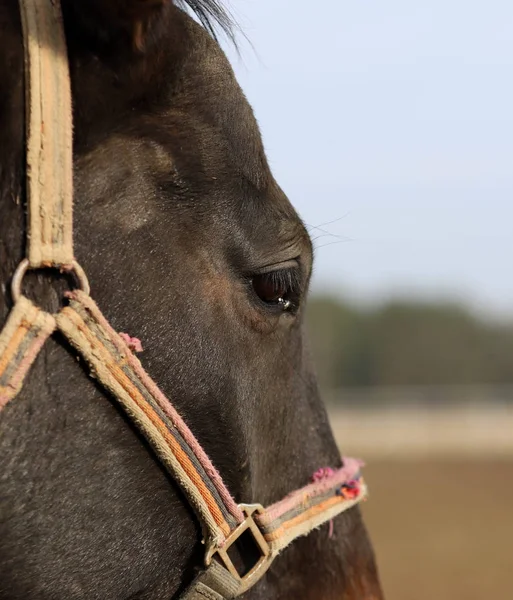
111, 361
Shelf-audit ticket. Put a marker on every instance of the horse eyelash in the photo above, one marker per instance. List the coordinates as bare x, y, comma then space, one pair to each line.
289, 278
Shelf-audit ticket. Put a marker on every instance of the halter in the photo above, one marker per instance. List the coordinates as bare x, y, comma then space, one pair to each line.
110, 359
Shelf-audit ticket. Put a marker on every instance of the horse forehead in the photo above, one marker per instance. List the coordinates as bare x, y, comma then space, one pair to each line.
115, 181
132, 169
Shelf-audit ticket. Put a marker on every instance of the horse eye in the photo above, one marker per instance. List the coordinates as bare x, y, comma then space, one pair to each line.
268, 289
278, 289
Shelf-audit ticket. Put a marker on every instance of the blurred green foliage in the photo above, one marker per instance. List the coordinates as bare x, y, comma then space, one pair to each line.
406, 343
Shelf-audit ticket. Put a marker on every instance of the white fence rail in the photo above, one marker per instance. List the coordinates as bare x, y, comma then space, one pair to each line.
429, 395
413, 423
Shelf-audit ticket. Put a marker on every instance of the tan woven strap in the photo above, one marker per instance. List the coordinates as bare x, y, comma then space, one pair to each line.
296, 515
118, 370
49, 135
115, 367
214, 583
21, 339
307, 518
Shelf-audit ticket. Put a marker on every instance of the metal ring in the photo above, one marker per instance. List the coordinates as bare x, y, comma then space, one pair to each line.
17, 278
24, 266
80, 274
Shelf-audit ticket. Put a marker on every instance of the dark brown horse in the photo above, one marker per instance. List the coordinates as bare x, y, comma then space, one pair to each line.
188, 242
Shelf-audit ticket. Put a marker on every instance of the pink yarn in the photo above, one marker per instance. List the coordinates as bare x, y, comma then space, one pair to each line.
132, 342
322, 473
329, 479
349, 490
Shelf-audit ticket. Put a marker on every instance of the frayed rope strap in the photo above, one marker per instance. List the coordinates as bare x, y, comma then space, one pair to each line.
114, 365
296, 515
118, 370
309, 507
49, 135
21, 339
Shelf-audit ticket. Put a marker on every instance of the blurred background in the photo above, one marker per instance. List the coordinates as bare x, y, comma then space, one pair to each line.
390, 127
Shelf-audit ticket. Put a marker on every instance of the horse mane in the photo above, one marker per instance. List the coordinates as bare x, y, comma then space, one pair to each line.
212, 15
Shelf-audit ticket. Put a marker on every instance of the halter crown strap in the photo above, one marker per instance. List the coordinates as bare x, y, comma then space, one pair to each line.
49, 139
111, 361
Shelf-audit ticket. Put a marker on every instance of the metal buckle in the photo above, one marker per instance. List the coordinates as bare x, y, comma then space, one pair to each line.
263, 563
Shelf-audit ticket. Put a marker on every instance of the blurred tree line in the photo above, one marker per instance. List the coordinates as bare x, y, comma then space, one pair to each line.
406, 343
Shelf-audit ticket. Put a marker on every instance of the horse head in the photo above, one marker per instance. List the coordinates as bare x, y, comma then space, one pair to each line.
191, 246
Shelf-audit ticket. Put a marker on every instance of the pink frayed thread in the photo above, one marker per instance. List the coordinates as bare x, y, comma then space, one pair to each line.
132, 342
348, 490
322, 473
331, 529
324, 483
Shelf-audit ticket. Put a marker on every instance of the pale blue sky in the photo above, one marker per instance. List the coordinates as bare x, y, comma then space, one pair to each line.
393, 120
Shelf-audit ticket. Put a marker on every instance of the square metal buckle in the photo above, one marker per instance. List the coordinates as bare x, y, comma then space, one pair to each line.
256, 571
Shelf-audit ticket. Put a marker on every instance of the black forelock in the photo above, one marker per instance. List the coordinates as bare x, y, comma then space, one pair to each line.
212, 15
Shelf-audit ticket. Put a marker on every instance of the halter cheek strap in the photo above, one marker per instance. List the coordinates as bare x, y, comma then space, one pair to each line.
49, 132
110, 360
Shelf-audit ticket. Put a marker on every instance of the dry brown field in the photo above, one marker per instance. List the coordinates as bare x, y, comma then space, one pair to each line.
440, 511
442, 530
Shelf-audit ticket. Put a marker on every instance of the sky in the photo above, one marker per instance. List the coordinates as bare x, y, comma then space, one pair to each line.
390, 127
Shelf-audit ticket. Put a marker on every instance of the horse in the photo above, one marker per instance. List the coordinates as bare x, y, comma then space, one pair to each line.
191, 245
